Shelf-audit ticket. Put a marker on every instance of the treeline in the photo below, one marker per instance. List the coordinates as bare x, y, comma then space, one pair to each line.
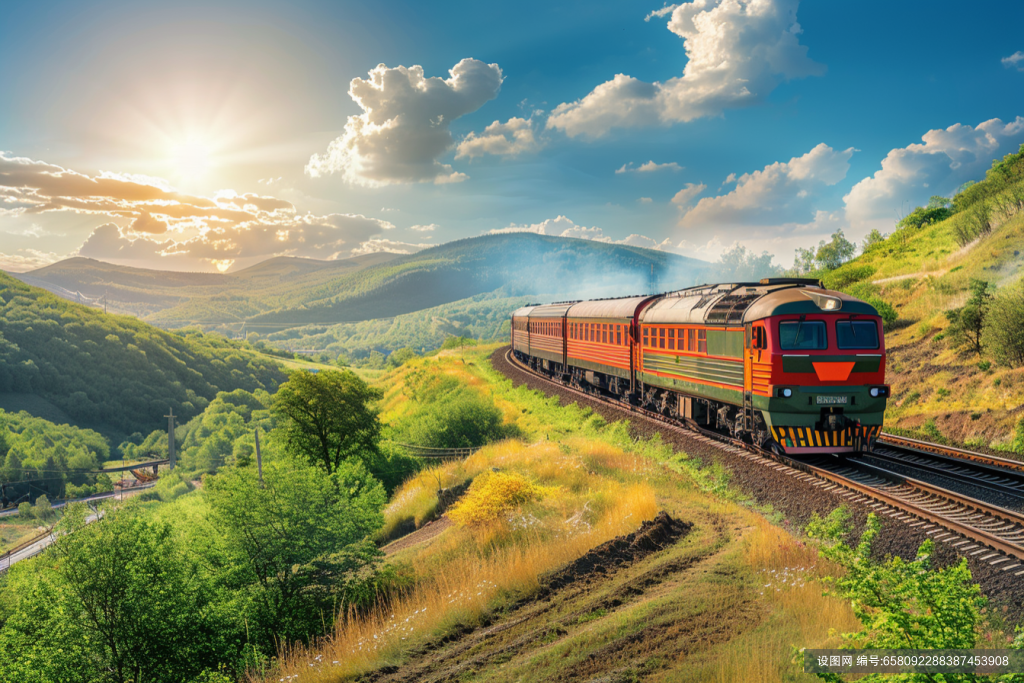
482, 317
115, 372
39, 458
203, 588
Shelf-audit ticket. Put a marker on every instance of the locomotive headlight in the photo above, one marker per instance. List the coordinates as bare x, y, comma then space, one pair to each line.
873, 392
786, 393
878, 391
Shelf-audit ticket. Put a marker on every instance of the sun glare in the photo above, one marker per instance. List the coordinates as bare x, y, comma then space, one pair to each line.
191, 159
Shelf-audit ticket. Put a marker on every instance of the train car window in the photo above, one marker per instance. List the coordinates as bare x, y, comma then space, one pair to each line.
661, 337
856, 334
618, 335
801, 335
647, 339
671, 340
604, 333
691, 335
702, 341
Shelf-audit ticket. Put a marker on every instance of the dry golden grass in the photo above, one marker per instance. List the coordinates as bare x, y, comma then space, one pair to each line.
460, 594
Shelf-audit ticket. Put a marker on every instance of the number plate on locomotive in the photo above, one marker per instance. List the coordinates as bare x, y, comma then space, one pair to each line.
830, 400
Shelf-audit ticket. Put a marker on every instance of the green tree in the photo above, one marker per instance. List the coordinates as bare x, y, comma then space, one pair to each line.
873, 238
743, 265
297, 544
922, 216
1003, 331
42, 509
122, 602
834, 253
967, 323
402, 356
900, 604
328, 417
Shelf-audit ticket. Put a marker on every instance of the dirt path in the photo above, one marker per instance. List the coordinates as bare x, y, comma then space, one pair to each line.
897, 278
426, 533
651, 570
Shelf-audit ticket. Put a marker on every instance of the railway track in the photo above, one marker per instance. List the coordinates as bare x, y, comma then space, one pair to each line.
972, 527
978, 469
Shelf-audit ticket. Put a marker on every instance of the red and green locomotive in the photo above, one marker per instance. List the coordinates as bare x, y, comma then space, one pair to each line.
782, 363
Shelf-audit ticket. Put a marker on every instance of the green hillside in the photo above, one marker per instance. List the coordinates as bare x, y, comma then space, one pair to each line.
523, 263
928, 270
286, 292
183, 298
114, 373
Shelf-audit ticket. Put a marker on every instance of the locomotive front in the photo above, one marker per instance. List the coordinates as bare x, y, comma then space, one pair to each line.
823, 354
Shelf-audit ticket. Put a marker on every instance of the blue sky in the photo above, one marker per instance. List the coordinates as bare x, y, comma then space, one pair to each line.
214, 135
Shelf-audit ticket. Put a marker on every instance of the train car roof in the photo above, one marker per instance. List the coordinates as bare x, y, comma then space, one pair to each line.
551, 310
524, 311
626, 307
738, 303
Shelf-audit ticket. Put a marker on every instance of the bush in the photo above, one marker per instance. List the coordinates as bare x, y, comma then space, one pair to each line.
1004, 322
885, 310
42, 509
491, 496
449, 414
899, 601
25, 510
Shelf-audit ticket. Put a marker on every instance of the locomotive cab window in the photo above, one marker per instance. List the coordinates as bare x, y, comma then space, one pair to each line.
856, 334
796, 335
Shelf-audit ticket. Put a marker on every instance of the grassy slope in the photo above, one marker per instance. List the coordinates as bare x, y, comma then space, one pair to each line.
726, 602
930, 379
288, 292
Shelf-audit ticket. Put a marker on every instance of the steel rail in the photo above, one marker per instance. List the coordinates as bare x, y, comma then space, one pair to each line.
981, 536
1008, 482
950, 452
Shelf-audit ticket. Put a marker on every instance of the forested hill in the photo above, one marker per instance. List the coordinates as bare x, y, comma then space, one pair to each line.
284, 292
521, 263
114, 373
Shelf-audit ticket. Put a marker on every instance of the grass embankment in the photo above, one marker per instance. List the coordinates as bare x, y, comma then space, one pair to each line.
726, 602
939, 390
14, 530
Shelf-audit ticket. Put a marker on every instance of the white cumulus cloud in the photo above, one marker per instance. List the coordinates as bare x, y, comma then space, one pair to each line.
648, 167
512, 138
1014, 61
947, 158
781, 193
689, 192
424, 228
738, 51
404, 127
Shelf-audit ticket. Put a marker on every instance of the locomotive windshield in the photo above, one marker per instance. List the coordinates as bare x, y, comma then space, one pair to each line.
799, 335
857, 334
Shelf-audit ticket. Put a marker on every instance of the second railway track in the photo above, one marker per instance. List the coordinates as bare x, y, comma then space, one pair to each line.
985, 531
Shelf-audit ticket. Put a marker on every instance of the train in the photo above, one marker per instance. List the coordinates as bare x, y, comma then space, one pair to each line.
783, 364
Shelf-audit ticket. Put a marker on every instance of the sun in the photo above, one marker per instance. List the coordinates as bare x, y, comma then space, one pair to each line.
191, 159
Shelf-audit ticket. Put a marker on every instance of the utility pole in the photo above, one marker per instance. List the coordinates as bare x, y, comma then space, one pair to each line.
170, 438
259, 457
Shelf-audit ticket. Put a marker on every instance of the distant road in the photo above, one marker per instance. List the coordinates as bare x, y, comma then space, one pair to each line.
98, 496
41, 544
